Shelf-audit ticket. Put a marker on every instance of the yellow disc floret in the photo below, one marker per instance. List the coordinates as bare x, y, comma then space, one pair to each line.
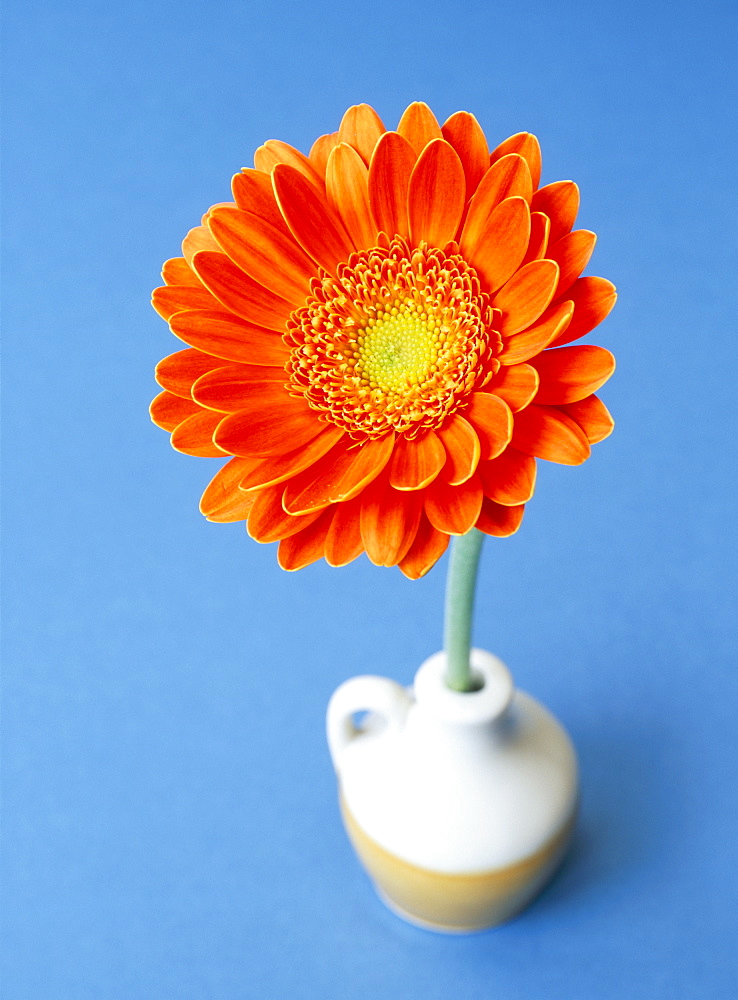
398, 349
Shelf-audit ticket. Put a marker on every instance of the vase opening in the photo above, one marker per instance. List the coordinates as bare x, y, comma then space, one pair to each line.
478, 682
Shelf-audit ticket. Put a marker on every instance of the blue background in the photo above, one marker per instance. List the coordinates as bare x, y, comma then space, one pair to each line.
170, 828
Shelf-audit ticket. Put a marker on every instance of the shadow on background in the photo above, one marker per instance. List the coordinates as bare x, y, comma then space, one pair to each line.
623, 825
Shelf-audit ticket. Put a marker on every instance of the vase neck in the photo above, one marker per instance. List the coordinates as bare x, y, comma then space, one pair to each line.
468, 709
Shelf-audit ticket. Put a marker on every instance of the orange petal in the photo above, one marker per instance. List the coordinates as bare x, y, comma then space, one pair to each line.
179, 372
508, 178
228, 388
227, 337
268, 521
237, 510
321, 150
571, 253
571, 373
515, 384
281, 466
501, 244
454, 509
194, 436
264, 252
343, 542
341, 475
525, 296
346, 186
222, 500
532, 341
307, 546
171, 299
547, 432
560, 202
178, 272
492, 419
239, 293
494, 519
361, 127
254, 193
463, 449
509, 479
416, 463
593, 299
419, 126
199, 238
592, 416
389, 178
436, 195
168, 411
271, 396
465, 134
426, 550
315, 226
540, 228
526, 145
219, 204
261, 430
275, 152
389, 522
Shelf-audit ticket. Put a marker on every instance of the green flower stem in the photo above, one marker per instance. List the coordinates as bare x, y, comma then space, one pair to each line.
460, 588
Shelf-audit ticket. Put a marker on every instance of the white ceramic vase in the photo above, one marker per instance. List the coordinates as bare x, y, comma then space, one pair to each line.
460, 806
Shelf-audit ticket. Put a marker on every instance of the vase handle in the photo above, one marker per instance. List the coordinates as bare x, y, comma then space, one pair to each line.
387, 698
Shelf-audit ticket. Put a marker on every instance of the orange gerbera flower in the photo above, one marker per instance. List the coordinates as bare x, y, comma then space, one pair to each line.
375, 335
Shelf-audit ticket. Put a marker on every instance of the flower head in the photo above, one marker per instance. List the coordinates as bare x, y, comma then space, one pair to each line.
376, 337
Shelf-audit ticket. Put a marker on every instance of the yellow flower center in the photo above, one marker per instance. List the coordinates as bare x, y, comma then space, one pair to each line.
396, 341
398, 349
